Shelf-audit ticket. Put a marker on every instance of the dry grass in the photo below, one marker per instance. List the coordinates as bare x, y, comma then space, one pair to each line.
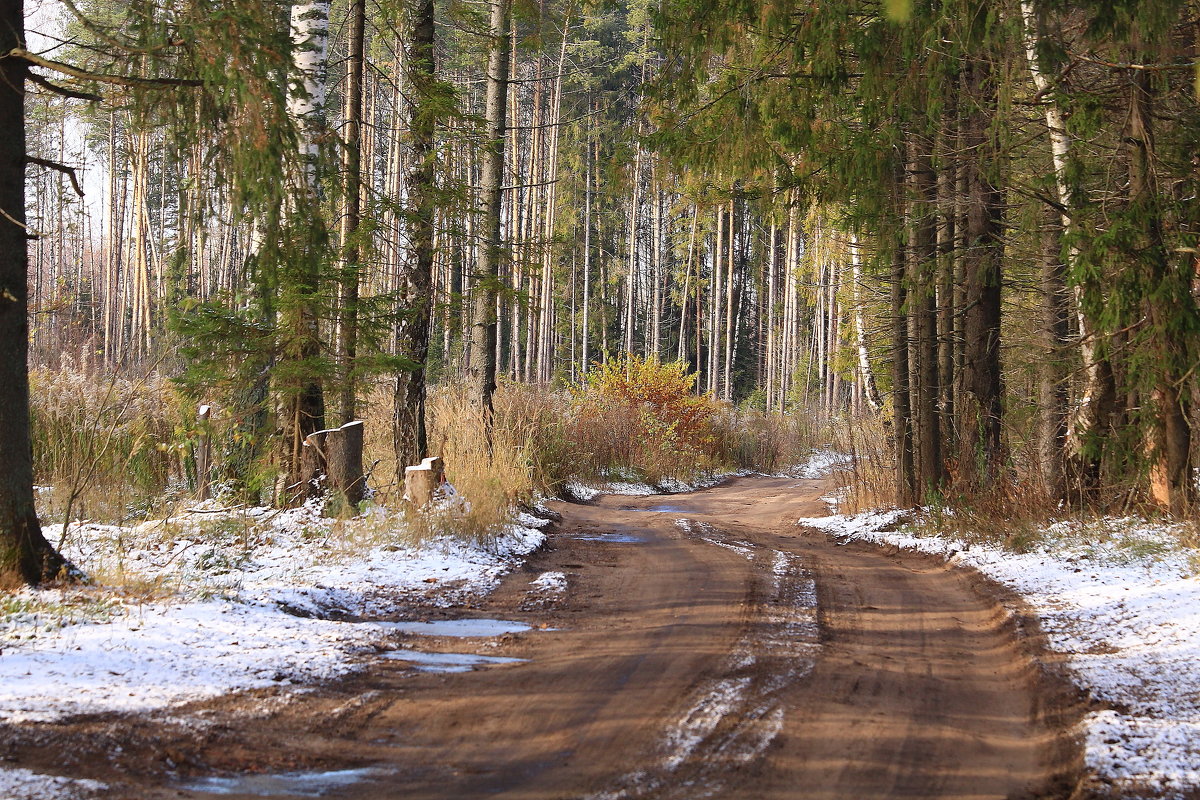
108, 446
870, 481
104, 446
519, 465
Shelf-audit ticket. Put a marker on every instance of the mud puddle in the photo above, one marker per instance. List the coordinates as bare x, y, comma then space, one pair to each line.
285, 784
459, 628
449, 662
615, 538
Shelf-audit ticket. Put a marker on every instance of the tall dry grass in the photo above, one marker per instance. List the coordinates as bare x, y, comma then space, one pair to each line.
869, 481
103, 445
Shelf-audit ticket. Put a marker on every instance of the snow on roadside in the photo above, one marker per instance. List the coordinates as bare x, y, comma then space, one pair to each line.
226, 603
820, 463
22, 784
1121, 599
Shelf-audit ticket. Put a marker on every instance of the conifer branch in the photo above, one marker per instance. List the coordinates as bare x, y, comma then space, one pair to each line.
62, 90
81, 74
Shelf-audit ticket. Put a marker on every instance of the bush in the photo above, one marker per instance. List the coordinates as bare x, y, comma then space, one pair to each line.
643, 415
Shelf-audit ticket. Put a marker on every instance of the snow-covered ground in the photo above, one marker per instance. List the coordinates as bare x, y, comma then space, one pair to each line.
207, 604
1119, 597
819, 464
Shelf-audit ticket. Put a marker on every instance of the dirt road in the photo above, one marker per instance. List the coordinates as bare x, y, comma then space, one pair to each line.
704, 646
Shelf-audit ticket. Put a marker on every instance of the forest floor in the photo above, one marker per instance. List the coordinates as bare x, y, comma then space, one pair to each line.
670, 646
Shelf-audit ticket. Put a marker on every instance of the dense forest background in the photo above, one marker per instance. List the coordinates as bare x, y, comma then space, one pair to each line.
965, 230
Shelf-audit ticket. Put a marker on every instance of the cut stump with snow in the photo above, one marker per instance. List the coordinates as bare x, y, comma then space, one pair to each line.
333, 461
421, 481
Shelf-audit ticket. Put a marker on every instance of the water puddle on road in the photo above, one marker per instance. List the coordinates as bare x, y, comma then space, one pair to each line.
460, 628
660, 509
448, 662
285, 784
616, 538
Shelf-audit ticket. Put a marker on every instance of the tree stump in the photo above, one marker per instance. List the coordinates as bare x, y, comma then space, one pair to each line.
420, 482
344, 462
333, 461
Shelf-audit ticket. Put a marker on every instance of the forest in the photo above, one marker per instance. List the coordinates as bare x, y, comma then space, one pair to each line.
557, 238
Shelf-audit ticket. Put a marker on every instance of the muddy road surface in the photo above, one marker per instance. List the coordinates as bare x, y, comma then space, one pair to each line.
681, 646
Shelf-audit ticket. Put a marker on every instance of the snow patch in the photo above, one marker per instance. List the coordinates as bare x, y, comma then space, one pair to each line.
227, 602
550, 582
23, 784
822, 462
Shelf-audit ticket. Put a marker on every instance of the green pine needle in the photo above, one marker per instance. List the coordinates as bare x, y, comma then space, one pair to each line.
897, 10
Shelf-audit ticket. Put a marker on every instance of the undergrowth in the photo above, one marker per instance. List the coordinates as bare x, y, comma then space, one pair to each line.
115, 449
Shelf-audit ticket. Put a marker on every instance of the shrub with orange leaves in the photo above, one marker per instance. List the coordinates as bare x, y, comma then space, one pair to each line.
640, 413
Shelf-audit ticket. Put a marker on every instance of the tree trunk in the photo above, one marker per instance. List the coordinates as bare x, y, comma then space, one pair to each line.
25, 555
347, 340
481, 375
1169, 303
412, 334
980, 406
1053, 377
923, 310
1088, 427
304, 400
906, 479
870, 387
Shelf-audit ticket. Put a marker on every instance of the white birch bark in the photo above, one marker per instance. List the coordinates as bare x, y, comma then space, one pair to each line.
307, 84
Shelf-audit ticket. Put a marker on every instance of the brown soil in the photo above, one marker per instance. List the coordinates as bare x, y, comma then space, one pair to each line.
692, 662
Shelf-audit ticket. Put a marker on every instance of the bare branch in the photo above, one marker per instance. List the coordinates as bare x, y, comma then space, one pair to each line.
62, 90
63, 168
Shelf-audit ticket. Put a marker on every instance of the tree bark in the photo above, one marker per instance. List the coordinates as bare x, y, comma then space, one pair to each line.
906, 479
1053, 377
25, 555
347, 340
481, 375
980, 406
865, 371
412, 336
923, 310
304, 399
1169, 303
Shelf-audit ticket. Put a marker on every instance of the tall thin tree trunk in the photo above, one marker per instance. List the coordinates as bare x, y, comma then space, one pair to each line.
870, 387
980, 408
923, 310
481, 376
409, 434
25, 555
730, 319
349, 266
